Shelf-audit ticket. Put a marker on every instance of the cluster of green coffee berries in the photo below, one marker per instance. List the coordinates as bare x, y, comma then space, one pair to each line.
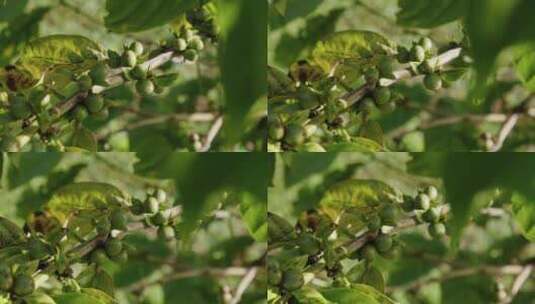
428, 208
186, 43
157, 210
15, 283
423, 61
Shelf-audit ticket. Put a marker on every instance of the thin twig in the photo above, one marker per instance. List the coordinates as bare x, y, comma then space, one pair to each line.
519, 282
505, 131
247, 279
212, 133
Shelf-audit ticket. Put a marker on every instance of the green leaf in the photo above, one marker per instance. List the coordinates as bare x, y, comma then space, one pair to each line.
18, 31
84, 196
85, 139
278, 82
76, 298
429, 13
243, 53
310, 295
45, 53
358, 144
524, 213
372, 130
99, 295
10, 233
350, 53
19, 168
138, 15
39, 298
102, 282
525, 67
357, 293
373, 277
253, 212
12, 9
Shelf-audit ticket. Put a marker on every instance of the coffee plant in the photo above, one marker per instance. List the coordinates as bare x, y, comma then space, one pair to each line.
359, 228
67, 91
83, 230
416, 76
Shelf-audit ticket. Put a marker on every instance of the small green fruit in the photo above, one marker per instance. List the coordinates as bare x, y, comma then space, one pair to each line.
94, 103
80, 113
388, 107
369, 253
386, 67
367, 105
6, 279
432, 192
129, 59
98, 74
417, 53
145, 87
403, 55
71, 89
191, 55
432, 215
152, 205
382, 95
99, 257
423, 201
23, 285
275, 130
294, 135
292, 279
113, 247
159, 219
383, 243
121, 258
138, 72
137, 207
166, 233
161, 195
274, 273
427, 44
114, 59
118, 220
389, 215
196, 43
426, 67
103, 226
433, 82
85, 82
437, 230
374, 223
137, 48
181, 44
371, 75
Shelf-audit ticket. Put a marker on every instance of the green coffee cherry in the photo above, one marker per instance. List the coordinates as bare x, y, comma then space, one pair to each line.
98, 74
436, 230
161, 195
181, 44
308, 244
121, 258
294, 135
367, 105
129, 59
382, 95
19, 108
85, 82
166, 233
145, 87
137, 207
423, 202
138, 72
152, 205
99, 257
432, 215
159, 218
374, 223
275, 130
137, 48
118, 220
426, 67
196, 43
383, 243
426, 44
113, 247
103, 226
274, 273
386, 67
389, 215
388, 107
432, 192
417, 53
23, 285
191, 55
80, 113
292, 279
371, 75
433, 82
368, 253
403, 55
94, 103
102, 114
114, 59
6, 278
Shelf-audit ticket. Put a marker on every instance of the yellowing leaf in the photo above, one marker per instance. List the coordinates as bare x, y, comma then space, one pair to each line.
350, 53
84, 197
